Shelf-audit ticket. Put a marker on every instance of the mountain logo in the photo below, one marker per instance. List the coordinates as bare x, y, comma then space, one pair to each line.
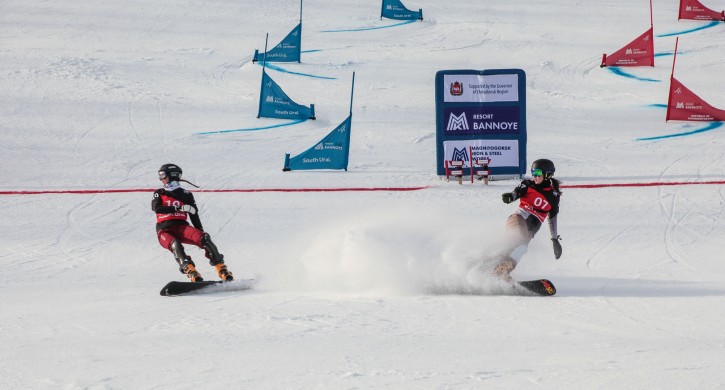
457, 122
680, 105
460, 154
269, 99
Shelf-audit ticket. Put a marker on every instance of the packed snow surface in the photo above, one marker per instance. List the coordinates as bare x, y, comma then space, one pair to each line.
354, 290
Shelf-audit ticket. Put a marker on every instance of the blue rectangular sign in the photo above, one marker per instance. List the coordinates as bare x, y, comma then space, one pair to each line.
482, 114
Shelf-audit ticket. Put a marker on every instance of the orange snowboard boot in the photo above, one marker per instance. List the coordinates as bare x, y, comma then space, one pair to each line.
223, 272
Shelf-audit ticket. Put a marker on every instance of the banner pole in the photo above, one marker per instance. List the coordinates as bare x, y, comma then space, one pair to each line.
301, 9
264, 59
672, 77
349, 119
674, 58
264, 64
299, 47
352, 90
652, 28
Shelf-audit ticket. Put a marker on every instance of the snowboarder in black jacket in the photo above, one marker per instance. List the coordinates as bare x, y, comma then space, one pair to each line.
172, 205
539, 199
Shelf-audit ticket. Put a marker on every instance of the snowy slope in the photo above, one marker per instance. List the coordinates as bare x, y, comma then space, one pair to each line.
354, 289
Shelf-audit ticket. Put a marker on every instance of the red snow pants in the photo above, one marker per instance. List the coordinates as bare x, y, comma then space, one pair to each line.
186, 234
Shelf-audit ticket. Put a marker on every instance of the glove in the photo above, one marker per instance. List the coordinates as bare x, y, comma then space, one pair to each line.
507, 197
187, 208
557, 247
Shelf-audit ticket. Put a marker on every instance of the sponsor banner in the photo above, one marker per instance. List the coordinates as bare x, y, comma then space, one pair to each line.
482, 120
684, 105
482, 114
331, 152
394, 9
478, 88
639, 52
694, 10
286, 51
502, 152
274, 103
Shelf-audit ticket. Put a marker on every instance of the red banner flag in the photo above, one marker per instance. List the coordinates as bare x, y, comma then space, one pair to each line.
693, 9
639, 52
684, 105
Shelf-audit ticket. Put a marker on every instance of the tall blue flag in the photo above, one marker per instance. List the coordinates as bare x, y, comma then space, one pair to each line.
288, 50
394, 9
330, 153
274, 103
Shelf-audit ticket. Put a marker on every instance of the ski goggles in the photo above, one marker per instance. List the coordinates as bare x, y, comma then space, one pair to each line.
537, 172
163, 175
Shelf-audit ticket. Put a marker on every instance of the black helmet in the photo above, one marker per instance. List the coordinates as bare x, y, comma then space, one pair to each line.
172, 171
544, 167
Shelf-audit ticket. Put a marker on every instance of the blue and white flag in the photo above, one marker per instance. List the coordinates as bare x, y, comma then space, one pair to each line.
288, 50
330, 153
394, 9
274, 103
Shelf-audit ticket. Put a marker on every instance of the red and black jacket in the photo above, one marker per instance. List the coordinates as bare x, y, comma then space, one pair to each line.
166, 205
540, 200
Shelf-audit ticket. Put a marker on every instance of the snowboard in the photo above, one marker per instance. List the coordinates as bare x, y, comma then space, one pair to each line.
178, 288
181, 288
542, 287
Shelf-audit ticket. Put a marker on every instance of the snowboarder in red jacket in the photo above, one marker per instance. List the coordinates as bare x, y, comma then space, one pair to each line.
539, 199
172, 205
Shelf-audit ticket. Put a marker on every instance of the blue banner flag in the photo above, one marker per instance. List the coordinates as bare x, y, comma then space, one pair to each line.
274, 103
330, 153
288, 50
394, 9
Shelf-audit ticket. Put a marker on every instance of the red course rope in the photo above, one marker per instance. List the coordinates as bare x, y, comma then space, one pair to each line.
353, 189
86, 192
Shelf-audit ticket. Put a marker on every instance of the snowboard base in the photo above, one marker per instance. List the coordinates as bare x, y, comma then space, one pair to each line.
542, 287
181, 288
178, 288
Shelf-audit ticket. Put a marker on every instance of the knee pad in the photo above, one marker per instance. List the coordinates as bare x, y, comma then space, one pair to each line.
205, 239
